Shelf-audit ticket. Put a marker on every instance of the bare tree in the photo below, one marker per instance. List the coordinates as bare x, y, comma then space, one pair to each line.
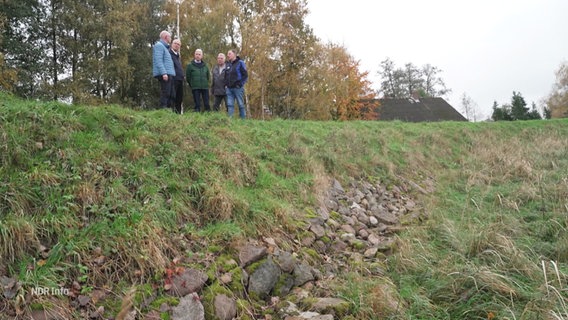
434, 86
405, 82
557, 100
470, 108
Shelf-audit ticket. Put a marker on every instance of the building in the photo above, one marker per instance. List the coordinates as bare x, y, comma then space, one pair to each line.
414, 110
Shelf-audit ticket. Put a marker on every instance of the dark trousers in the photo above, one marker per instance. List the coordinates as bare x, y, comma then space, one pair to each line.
199, 94
166, 91
178, 92
217, 102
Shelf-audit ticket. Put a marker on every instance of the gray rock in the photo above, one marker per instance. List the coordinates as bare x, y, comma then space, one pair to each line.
191, 280
337, 188
347, 228
324, 213
189, 308
373, 221
307, 241
285, 261
317, 230
225, 307
373, 239
250, 254
338, 246
302, 274
344, 211
331, 204
363, 234
263, 279
387, 218
285, 285
370, 253
331, 305
348, 220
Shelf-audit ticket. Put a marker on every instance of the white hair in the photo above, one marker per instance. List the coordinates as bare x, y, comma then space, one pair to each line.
163, 34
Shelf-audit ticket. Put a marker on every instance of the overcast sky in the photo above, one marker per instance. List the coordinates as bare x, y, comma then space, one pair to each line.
486, 48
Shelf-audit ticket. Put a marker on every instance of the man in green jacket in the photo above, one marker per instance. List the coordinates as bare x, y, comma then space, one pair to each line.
197, 75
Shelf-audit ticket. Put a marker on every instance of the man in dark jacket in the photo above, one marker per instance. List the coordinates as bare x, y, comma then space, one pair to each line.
235, 78
197, 75
218, 83
178, 79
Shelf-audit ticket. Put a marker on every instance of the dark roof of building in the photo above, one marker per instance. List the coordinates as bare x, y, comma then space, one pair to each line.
415, 110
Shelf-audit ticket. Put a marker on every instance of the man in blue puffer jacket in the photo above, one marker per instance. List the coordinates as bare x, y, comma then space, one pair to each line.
163, 68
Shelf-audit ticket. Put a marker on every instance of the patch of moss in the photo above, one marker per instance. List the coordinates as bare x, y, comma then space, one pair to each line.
358, 244
304, 235
308, 302
36, 306
212, 272
244, 309
283, 285
310, 213
214, 248
252, 267
335, 215
325, 239
253, 296
309, 252
293, 298
225, 263
236, 285
142, 292
111, 306
170, 301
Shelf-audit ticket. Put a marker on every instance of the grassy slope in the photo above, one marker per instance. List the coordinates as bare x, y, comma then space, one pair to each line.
85, 182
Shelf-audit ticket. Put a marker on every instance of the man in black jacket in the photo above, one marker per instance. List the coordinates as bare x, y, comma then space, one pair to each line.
235, 78
177, 91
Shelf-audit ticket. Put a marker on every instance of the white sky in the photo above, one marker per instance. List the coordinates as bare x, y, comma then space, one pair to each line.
486, 48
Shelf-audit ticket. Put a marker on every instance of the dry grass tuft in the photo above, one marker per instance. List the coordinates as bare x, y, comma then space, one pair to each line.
237, 167
384, 300
492, 281
17, 237
53, 307
88, 193
217, 205
46, 178
146, 252
17, 200
135, 153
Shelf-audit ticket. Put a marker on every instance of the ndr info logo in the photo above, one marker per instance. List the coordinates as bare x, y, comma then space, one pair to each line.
45, 291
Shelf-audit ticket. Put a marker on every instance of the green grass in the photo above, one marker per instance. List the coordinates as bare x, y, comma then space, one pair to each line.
128, 185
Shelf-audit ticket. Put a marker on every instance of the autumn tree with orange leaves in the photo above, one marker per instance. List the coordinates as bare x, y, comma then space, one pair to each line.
348, 86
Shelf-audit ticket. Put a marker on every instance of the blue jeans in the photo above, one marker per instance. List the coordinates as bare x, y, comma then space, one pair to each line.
232, 95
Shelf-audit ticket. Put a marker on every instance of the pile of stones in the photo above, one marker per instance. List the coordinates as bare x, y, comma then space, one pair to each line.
353, 226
